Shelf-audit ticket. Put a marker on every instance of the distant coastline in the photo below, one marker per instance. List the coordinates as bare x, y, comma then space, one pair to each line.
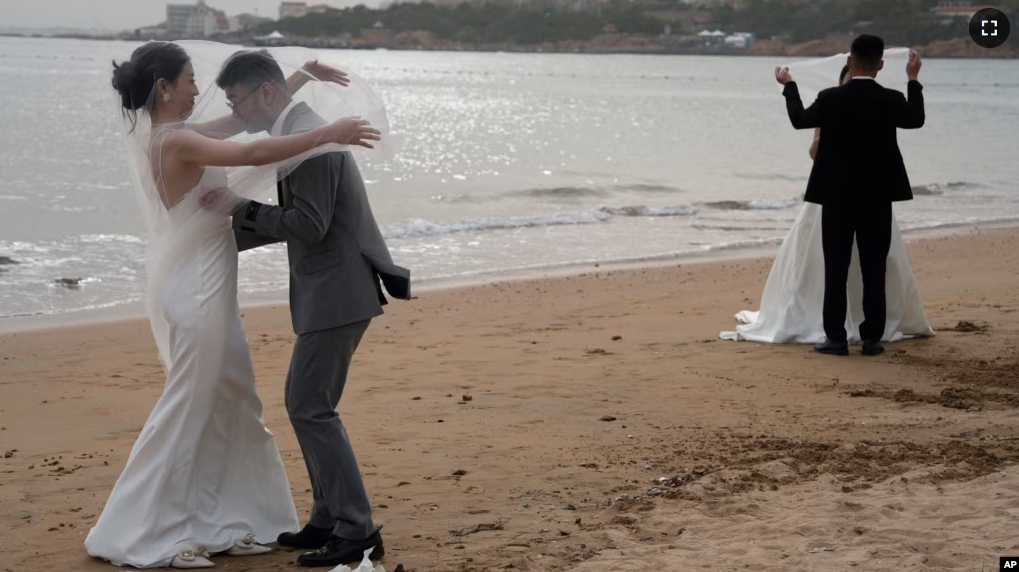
605, 44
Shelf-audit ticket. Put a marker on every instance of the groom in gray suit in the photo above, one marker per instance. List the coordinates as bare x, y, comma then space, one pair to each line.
337, 260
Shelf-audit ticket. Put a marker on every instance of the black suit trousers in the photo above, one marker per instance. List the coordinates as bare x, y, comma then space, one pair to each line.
871, 225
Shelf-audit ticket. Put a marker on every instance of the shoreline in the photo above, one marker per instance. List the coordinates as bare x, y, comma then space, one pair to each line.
950, 49
134, 311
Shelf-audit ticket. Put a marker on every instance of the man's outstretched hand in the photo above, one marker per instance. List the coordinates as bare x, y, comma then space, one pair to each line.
913, 65
783, 76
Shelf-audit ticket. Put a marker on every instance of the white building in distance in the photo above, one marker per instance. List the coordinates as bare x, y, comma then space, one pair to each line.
301, 9
196, 20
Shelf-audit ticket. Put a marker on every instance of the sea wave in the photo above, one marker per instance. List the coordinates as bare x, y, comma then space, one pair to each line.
753, 205
936, 189
644, 210
568, 192
420, 227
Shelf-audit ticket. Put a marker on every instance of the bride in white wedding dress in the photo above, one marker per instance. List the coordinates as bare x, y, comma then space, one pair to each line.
204, 476
792, 304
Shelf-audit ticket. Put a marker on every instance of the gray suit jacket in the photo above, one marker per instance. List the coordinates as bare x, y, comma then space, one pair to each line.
336, 251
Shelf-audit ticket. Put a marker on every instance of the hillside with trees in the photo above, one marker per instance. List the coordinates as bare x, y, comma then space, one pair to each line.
568, 24
482, 23
901, 22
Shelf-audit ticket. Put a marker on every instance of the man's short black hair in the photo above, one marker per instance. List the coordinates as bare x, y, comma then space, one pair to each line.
251, 68
868, 50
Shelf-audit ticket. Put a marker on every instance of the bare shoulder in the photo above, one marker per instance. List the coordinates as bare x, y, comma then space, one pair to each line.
190, 146
179, 138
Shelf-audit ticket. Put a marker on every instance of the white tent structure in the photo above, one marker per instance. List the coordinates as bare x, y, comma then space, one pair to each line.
273, 39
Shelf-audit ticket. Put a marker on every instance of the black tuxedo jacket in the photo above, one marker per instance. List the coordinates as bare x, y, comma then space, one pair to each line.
858, 159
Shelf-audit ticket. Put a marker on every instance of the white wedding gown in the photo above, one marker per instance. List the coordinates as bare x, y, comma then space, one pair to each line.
792, 304
205, 472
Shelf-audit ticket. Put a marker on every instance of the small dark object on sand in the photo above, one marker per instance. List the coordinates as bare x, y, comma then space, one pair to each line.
968, 327
68, 282
468, 530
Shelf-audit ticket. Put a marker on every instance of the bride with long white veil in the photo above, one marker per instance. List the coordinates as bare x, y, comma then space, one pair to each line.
792, 304
205, 475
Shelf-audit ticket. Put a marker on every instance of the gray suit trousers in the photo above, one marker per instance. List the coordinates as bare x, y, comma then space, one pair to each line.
318, 373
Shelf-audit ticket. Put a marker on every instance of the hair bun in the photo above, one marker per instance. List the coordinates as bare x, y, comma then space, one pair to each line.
123, 73
124, 82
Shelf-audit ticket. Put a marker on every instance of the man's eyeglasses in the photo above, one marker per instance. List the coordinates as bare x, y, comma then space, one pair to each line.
233, 106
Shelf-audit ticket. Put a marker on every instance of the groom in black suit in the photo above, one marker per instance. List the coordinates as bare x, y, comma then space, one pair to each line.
858, 173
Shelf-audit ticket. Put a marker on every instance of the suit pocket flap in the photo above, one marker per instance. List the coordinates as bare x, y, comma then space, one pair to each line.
320, 261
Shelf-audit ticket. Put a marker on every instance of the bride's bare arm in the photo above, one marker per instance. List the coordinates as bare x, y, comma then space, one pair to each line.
228, 126
222, 128
813, 146
193, 148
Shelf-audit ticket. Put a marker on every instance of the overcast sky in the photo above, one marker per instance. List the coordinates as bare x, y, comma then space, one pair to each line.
118, 14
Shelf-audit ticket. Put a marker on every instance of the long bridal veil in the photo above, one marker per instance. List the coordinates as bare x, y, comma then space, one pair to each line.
813, 76
793, 299
168, 241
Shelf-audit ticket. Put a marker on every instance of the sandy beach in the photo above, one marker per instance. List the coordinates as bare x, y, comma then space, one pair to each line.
608, 428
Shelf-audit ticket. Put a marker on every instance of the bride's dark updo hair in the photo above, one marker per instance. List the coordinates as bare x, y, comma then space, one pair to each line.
842, 74
135, 79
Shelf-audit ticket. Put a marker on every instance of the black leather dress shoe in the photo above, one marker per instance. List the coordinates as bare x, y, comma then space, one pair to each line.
309, 538
342, 551
872, 349
831, 348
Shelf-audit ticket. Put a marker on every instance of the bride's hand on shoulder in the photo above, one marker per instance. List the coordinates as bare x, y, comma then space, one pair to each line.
353, 131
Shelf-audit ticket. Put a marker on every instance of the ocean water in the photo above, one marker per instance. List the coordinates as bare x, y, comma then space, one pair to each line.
513, 163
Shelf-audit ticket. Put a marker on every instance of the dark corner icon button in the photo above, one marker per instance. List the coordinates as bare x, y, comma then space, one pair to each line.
989, 28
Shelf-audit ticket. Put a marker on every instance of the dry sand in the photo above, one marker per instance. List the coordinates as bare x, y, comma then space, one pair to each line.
775, 458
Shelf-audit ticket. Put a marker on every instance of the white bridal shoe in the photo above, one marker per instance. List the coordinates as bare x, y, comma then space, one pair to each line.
199, 557
247, 547
189, 559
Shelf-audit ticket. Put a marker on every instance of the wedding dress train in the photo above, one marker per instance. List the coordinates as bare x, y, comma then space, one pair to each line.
793, 299
205, 475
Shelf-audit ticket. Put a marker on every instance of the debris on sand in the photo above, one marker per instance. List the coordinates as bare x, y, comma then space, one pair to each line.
968, 327
819, 549
469, 530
